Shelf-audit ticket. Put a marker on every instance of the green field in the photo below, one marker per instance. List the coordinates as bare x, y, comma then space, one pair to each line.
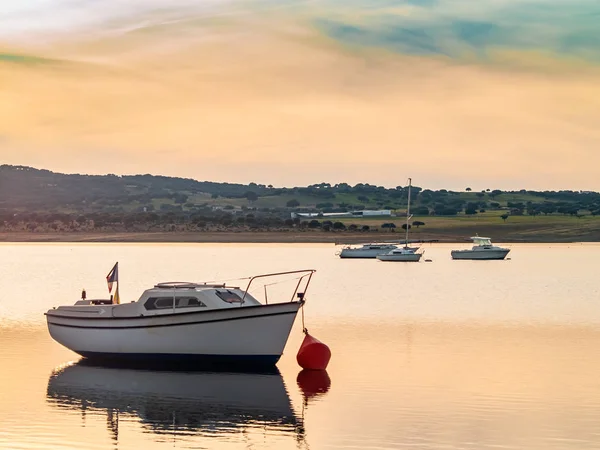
310, 202
549, 228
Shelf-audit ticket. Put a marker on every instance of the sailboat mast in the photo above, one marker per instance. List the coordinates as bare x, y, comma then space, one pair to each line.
408, 212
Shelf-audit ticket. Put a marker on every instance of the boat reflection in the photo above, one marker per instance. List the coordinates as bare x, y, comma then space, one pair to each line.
174, 402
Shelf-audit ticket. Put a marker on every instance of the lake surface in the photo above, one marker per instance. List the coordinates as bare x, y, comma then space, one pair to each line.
438, 355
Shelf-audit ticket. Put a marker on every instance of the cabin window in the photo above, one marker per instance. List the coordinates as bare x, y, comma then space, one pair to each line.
167, 303
229, 297
163, 303
188, 302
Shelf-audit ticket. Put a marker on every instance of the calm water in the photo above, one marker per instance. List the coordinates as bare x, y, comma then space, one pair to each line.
440, 355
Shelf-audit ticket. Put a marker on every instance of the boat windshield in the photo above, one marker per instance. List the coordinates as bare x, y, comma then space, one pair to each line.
482, 241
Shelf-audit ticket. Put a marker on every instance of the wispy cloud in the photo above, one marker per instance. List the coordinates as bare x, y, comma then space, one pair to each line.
456, 27
28, 60
446, 27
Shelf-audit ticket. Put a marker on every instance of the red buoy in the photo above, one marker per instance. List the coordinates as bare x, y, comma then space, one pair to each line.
313, 354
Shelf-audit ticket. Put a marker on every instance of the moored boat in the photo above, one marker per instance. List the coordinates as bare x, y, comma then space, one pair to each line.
482, 250
366, 250
182, 322
406, 253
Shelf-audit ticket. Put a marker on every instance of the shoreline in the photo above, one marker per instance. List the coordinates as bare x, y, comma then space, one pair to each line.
275, 237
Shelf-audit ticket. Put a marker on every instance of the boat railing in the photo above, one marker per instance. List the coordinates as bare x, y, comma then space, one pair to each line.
307, 275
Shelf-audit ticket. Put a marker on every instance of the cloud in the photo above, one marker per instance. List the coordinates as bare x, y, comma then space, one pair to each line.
456, 27
453, 28
21, 59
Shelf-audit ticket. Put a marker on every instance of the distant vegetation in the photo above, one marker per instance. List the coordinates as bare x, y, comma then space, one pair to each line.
40, 200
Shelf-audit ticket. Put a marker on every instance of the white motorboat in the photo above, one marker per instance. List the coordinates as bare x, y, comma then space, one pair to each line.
482, 249
182, 322
366, 250
406, 253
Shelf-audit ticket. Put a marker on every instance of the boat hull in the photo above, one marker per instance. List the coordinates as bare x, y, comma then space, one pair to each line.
245, 335
415, 257
152, 360
480, 255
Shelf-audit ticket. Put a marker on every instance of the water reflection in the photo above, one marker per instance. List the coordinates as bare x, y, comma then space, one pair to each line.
313, 384
178, 403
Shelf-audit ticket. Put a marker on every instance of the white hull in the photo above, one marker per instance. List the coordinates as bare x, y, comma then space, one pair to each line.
480, 254
358, 253
414, 257
245, 334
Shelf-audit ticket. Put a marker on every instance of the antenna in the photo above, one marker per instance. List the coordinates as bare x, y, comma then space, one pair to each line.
408, 212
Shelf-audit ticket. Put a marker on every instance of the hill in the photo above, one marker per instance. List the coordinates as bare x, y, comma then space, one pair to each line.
38, 200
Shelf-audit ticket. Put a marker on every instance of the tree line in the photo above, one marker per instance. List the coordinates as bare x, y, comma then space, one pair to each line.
171, 221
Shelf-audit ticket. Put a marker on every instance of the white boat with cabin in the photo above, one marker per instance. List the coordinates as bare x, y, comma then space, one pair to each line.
182, 322
366, 250
406, 253
482, 249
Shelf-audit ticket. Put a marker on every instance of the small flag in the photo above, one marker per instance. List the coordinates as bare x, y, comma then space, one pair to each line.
116, 299
113, 276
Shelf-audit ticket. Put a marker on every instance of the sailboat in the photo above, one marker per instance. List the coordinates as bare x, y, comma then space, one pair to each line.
180, 322
406, 253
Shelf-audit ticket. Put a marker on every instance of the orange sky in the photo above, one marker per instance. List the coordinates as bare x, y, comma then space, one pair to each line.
245, 100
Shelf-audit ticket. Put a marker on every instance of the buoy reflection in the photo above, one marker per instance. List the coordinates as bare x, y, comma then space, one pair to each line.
313, 383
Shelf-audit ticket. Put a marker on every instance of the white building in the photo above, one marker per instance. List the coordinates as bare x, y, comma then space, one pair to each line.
357, 214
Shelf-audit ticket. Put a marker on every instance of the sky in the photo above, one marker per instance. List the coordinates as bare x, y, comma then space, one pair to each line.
500, 94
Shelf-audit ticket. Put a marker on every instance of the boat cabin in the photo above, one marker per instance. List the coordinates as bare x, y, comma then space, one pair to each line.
167, 298
179, 298
482, 241
377, 247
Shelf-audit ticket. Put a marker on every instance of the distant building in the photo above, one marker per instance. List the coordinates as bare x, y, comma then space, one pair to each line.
343, 215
